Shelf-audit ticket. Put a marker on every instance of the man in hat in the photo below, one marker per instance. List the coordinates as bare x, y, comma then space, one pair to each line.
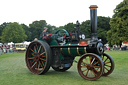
44, 33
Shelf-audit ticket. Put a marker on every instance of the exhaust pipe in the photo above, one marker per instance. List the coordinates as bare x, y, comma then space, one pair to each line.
93, 19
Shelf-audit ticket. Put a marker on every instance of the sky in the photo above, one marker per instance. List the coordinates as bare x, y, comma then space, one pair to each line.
55, 12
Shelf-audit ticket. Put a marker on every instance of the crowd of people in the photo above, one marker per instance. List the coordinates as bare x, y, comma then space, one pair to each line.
115, 47
7, 49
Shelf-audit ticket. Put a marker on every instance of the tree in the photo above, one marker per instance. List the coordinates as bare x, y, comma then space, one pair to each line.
119, 24
51, 29
2, 26
13, 33
102, 27
36, 28
70, 27
86, 28
27, 31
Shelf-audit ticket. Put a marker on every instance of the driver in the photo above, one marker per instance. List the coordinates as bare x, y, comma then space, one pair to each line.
44, 33
46, 36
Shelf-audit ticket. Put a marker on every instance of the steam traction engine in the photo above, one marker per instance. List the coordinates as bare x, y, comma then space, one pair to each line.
59, 50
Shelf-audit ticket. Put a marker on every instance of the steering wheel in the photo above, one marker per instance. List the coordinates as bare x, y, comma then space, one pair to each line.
61, 34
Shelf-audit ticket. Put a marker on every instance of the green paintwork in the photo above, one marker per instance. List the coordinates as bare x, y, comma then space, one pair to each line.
60, 56
53, 42
73, 51
67, 51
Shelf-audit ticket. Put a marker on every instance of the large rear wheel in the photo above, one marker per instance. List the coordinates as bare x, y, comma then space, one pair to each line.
90, 66
38, 57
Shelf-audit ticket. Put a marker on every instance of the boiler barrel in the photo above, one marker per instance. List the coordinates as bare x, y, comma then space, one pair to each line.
73, 51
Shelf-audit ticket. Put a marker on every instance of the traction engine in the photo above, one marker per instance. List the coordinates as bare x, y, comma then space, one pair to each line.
60, 49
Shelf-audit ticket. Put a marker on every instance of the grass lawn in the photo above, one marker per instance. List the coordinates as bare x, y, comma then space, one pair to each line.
13, 71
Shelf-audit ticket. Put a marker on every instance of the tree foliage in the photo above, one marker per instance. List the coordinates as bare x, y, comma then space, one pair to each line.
13, 33
27, 31
36, 28
2, 26
119, 24
86, 28
70, 27
102, 27
51, 29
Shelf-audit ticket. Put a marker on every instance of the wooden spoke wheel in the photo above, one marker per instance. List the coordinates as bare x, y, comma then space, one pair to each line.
90, 66
38, 57
108, 64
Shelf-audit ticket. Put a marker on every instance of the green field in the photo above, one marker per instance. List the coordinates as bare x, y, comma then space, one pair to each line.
13, 71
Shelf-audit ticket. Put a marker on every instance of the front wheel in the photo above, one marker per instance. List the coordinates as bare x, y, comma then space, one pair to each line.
90, 66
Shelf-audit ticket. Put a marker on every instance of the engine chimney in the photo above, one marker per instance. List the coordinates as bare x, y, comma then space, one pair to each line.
93, 19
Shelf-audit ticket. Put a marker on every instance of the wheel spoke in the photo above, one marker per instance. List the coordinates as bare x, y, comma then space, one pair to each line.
107, 65
32, 50
93, 60
42, 59
43, 56
91, 73
37, 65
84, 63
96, 70
35, 49
94, 73
34, 64
106, 68
96, 63
30, 58
33, 55
87, 73
105, 60
41, 65
103, 57
39, 49
33, 61
83, 67
96, 66
42, 53
42, 49
84, 70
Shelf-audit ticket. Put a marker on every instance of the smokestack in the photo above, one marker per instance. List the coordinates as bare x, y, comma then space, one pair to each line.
93, 19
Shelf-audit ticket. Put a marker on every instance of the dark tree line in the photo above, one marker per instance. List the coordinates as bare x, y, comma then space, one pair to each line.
35, 29
112, 30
